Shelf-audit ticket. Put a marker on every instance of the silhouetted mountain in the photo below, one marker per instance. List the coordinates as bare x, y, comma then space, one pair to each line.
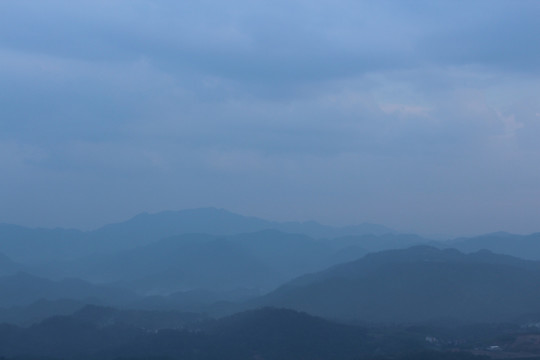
287, 334
60, 244
523, 246
417, 284
145, 228
222, 222
24, 289
270, 334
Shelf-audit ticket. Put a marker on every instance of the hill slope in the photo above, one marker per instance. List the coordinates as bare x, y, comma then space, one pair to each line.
415, 285
270, 334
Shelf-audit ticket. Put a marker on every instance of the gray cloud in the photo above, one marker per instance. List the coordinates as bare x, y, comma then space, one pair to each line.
415, 114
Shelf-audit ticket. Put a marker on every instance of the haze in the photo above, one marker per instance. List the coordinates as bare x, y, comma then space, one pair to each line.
423, 117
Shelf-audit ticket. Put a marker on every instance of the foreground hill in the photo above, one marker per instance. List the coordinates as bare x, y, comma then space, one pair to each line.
287, 334
416, 285
271, 334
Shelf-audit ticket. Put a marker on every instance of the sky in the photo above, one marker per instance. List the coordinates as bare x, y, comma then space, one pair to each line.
423, 116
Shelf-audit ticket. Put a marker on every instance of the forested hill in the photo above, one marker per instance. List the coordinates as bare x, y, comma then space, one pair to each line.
416, 285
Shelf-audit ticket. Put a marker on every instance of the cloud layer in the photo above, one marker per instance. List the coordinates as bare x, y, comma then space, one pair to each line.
418, 115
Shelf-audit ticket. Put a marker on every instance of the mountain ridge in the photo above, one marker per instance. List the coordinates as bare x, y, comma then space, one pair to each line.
61, 244
417, 284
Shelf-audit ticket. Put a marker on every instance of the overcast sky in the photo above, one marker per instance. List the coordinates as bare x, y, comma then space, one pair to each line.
419, 115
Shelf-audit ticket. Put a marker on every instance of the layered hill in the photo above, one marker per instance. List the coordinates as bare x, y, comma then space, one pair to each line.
416, 285
24, 289
33, 246
260, 261
522, 246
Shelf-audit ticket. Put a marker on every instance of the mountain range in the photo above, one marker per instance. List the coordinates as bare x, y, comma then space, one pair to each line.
35, 246
261, 261
206, 259
418, 284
